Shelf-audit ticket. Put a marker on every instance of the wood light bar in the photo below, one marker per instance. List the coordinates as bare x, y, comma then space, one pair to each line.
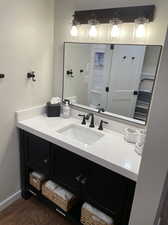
125, 14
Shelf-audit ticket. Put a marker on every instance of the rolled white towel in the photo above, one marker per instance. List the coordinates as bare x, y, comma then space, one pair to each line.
38, 175
66, 195
51, 185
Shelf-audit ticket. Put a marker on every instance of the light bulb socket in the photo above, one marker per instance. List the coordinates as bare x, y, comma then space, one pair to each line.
93, 22
141, 20
75, 23
115, 21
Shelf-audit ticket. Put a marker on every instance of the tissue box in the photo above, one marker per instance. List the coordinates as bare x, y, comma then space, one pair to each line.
93, 216
53, 110
58, 195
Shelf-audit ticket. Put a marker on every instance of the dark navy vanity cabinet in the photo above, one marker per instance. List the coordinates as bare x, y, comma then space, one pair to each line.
92, 183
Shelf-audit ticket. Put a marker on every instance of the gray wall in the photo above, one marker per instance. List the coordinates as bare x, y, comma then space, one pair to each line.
26, 43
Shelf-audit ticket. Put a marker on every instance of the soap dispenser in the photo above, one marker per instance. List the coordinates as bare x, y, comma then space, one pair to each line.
66, 109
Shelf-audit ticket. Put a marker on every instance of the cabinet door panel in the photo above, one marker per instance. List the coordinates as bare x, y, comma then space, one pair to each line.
38, 154
68, 169
105, 188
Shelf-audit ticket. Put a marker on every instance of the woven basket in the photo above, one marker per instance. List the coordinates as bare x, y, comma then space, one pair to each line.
88, 218
35, 182
66, 205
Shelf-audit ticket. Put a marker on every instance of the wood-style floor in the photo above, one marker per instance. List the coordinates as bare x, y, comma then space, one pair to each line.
31, 212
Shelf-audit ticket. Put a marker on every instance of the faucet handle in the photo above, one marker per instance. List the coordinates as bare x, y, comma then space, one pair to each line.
84, 119
101, 124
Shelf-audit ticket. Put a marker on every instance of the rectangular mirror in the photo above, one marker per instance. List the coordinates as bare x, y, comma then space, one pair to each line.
113, 77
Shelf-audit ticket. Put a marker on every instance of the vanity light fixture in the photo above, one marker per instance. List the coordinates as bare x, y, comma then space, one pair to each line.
74, 30
115, 31
93, 29
136, 14
140, 29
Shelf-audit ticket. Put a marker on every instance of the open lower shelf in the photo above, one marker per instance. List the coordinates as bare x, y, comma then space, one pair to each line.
88, 200
73, 215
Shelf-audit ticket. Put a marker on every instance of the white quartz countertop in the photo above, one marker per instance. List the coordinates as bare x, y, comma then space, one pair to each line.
111, 151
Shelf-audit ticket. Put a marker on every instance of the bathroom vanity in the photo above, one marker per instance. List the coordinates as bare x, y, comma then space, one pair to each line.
103, 171
97, 166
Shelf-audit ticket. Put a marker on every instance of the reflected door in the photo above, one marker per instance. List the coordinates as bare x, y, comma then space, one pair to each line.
125, 76
99, 75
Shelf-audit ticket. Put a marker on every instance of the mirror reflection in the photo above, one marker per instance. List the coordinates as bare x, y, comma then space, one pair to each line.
113, 78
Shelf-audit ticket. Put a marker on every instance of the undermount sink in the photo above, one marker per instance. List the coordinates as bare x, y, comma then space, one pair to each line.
81, 134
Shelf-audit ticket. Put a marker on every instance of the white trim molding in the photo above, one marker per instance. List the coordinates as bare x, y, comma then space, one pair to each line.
7, 202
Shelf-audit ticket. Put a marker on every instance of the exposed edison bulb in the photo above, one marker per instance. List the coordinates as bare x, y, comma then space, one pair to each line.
74, 31
93, 31
115, 32
140, 31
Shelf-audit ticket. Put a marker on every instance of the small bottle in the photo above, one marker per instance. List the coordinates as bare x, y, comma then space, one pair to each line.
66, 109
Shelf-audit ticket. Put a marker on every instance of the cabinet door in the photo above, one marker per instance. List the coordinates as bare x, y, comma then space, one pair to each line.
107, 190
38, 154
68, 169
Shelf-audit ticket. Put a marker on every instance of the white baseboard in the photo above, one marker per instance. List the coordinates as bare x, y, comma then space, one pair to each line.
7, 202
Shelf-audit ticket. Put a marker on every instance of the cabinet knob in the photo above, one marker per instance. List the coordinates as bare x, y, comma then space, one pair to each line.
78, 178
46, 161
83, 181
135, 93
